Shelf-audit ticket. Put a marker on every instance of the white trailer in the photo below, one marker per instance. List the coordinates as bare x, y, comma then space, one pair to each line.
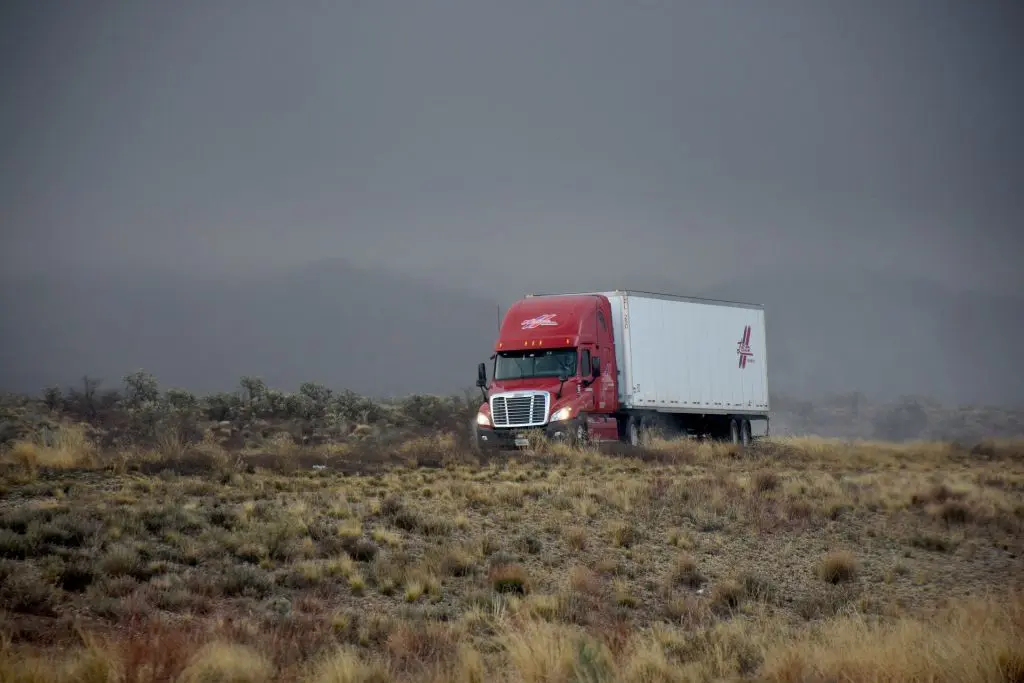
690, 358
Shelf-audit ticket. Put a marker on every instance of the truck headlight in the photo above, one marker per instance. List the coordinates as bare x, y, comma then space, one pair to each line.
483, 419
561, 414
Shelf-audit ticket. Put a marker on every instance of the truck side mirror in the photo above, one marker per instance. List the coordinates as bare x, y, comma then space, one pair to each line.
481, 375
595, 366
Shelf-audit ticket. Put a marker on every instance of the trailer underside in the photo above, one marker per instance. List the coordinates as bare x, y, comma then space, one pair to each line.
633, 427
636, 425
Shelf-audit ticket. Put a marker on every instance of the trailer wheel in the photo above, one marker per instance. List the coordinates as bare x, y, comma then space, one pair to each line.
636, 428
734, 431
745, 433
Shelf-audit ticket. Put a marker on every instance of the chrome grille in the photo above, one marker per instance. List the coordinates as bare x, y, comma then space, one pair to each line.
520, 410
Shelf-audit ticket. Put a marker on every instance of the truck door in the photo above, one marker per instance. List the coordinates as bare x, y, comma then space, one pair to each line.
588, 391
606, 397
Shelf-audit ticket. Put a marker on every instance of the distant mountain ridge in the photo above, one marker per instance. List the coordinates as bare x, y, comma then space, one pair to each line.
382, 333
332, 322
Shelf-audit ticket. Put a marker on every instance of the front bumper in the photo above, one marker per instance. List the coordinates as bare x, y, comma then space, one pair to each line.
513, 438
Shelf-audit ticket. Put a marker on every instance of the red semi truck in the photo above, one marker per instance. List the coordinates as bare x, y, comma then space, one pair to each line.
608, 366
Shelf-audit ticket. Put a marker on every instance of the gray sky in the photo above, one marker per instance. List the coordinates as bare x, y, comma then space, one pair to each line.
474, 137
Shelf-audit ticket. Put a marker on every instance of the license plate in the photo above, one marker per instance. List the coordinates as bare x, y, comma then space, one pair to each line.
522, 441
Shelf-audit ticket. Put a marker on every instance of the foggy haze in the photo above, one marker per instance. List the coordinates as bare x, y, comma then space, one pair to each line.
853, 166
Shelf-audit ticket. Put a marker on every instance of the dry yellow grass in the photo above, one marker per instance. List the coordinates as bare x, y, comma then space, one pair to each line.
838, 566
799, 560
65, 447
216, 662
346, 666
981, 640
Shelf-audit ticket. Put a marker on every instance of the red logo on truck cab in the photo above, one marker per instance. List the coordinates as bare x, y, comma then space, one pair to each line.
546, 320
743, 348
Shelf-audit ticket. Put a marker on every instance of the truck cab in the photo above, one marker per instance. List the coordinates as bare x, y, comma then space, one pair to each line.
553, 371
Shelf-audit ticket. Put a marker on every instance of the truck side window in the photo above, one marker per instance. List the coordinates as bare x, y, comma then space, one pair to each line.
585, 363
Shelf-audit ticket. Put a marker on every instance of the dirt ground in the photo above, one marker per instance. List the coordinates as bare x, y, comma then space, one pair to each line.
796, 560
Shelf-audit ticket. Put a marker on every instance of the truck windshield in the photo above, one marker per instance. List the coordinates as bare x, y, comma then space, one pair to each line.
534, 363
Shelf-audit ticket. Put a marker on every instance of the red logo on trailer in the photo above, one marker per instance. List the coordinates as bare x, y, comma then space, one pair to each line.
546, 320
743, 348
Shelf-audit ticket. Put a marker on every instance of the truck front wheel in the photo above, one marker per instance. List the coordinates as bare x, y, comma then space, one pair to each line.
474, 437
580, 435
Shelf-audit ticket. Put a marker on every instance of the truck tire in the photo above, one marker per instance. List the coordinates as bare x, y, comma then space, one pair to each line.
474, 439
734, 431
635, 425
580, 437
745, 433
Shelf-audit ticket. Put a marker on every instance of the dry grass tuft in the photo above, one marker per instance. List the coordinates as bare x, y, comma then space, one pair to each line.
217, 662
416, 646
509, 578
624, 534
346, 666
434, 449
576, 538
727, 595
972, 642
91, 663
684, 572
66, 447
541, 652
838, 567
458, 562
584, 580
765, 481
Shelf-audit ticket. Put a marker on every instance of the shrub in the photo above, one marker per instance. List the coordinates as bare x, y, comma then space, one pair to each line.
509, 578
838, 567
